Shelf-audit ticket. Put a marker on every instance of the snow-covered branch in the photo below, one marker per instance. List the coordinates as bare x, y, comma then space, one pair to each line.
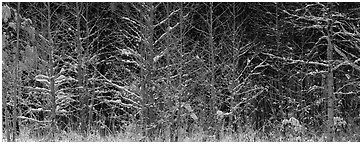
295, 61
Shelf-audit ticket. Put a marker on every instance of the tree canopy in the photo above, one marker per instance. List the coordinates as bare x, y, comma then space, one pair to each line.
166, 71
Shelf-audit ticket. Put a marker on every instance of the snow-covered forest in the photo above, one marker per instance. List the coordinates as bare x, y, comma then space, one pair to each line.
166, 71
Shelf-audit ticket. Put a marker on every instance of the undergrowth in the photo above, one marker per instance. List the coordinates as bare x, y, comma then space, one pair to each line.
246, 134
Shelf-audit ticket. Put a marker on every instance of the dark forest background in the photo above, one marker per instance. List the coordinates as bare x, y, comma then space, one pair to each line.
167, 71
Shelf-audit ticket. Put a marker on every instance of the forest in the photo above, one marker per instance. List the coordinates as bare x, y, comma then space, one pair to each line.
181, 71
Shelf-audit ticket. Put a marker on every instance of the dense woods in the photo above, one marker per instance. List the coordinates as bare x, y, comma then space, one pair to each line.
181, 71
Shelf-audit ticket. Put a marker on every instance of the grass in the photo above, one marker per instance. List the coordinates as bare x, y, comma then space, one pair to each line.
131, 135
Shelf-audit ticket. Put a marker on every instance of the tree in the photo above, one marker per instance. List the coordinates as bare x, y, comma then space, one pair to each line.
169, 70
81, 86
330, 22
15, 28
17, 83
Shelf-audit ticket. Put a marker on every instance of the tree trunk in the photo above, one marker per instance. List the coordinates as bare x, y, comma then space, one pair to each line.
213, 65
82, 96
147, 30
51, 73
90, 86
166, 97
179, 71
6, 113
16, 81
234, 80
88, 89
330, 89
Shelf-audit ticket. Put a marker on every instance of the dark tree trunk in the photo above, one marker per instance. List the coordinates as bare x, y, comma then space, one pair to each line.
330, 90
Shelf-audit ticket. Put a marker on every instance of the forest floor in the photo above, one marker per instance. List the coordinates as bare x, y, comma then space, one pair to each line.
130, 136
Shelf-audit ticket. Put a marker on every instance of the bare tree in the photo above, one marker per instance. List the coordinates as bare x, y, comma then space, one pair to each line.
330, 23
